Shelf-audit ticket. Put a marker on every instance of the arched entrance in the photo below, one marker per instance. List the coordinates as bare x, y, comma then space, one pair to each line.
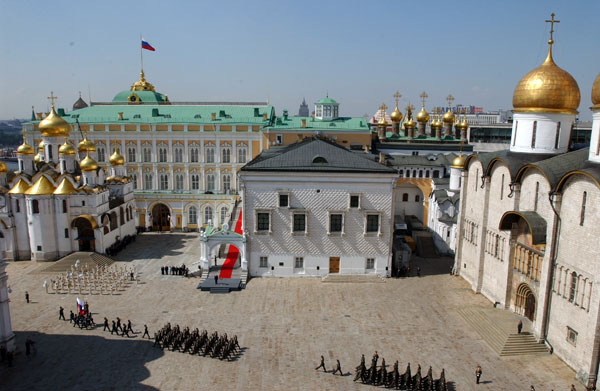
211, 237
525, 302
161, 218
85, 233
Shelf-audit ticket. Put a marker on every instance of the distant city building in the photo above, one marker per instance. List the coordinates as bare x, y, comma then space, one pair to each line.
303, 111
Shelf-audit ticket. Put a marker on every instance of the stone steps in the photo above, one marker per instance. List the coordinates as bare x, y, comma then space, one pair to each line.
499, 339
352, 278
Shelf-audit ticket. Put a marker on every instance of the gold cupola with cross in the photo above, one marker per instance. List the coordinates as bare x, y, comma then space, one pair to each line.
53, 125
396, 115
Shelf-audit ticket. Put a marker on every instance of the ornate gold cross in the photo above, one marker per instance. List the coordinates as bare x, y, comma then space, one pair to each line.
552, 21
52, 98
423, 97
449, 98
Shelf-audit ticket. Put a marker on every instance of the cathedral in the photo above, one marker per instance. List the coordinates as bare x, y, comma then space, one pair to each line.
59, 200
529, 217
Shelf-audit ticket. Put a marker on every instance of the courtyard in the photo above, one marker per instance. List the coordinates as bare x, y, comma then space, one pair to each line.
284, 325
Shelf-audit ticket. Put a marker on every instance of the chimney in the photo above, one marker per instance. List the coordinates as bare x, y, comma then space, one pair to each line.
381, 158
213, 116
264, 116
120, 115
285, 115
60, 111
303, 123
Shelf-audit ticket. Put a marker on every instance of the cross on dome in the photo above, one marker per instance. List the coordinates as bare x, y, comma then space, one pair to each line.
52, 98
450, 98
552, 21
423, 97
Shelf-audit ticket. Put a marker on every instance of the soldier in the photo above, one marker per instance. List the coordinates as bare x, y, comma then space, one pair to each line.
146, 332
114, 328
27, 297
375, 358
362, 361
125, 331
520, 326
106, 324
321, 365
129, 326
61, 313
338, 368
71, 317
118, 323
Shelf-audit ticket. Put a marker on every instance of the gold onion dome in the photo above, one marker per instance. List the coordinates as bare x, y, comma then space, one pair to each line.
382, 123
547, 89
88, 164
396, 115
596, 92
423, 116
41, 187
458, 162
116, 159
86, 145
25, 149
448, 117
54, 126
66, 149
436, 123
3, 167
142, 84
37, 159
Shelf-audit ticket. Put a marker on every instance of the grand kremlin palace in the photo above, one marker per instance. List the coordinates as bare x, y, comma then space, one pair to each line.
183, 157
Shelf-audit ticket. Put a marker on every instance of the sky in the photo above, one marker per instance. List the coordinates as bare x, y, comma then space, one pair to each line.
360, 52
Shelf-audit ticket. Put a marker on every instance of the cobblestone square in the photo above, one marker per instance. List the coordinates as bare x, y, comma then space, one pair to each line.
283, 324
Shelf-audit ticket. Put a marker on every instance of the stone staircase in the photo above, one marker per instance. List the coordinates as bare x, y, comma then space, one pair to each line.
356, 278
494, 327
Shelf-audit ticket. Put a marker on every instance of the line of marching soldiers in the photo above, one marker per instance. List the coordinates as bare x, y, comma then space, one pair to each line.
380, 376
196, 342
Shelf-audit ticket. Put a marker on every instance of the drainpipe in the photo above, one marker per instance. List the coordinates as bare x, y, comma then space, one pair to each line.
553, 251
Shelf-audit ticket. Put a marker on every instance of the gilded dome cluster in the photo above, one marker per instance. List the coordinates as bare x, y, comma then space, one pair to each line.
54, 126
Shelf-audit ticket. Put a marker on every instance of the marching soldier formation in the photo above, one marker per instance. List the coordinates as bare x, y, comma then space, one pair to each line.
380, 376
196, 342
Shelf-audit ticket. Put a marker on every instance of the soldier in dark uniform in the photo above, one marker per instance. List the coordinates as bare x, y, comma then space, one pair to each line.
129, 326
106, 326
71, 317
61, 313
125, 331
114, 328
375, 358
338, 368
321, 365
118, 323
146, 332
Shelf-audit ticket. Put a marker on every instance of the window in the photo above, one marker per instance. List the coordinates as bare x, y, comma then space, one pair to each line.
284, 200
405, 197
101, 154
335, 222
64, 206
35, 206
372, 223
370, 263
162, 155
223, 214
354, 201
299, 224
417, 198
147, 155
164, 182
573, 287
178, 155
535, 200
179, 182
557, 137
502, 187
131, 154
195, 182
515, 137
533, 134
208, 214
262, 221
121, 216
582, 213
263, 262
210, 155
66, 233
18, 206
210, 182
298, 263
279, 139
226, 183
571, 336
226, 152
242, 155
194, 155
192, 215
134, 180
22, 169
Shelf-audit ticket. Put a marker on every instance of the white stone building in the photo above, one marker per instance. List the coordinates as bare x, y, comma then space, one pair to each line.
315, 208
529, 219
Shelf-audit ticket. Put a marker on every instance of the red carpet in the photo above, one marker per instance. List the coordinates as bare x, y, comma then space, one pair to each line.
233, 252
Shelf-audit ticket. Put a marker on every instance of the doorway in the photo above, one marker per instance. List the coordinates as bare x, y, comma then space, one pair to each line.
525, 301
161, 218
334, 264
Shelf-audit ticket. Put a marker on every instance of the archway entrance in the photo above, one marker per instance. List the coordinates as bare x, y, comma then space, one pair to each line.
85, 234
161, 218
525, 302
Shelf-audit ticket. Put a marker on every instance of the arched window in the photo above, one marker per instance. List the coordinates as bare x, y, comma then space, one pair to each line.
121, 217
223, 214
148, 182
194, 155
113, 221
405, 197
226, 183
147, 155
64, 206
101, 154
208, 215
582, 213
164, 182
35, 206
178, 155
210, 155
242, 155
226, 152
134, 180
210, 182
195, 182
131, 154
162, 155
179, 182
534, 134
192, 215
573, 287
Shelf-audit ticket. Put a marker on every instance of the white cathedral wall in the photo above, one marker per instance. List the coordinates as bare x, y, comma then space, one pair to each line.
353, 248
42, 231
546, 126
21, 228
578, 251
62, 222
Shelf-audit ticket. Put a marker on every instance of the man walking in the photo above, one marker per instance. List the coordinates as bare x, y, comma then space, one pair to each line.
61, 313
146, 332
106, 324
338, 368
478, 372
520, 326
27, 297
321, 365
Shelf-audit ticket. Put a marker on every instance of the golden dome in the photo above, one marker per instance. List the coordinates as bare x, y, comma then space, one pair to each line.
458, 162
64, 188
116, 159
3, 167
382, 123
448, 117
20, 187
409, 124
396, 115
54, 126
547, 89
86, 145
423, 116
41, 187
596, 93
88, 164
37, 159
66, 149
464, 125
142, 84
25, 149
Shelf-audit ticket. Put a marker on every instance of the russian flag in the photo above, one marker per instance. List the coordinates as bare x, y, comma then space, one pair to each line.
147, 46
80, 306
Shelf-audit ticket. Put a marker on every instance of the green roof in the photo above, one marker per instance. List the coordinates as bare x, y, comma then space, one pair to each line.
326, 101
170, 114
143, 96
342, 123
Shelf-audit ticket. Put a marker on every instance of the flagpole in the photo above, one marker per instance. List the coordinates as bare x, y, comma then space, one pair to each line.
141, 56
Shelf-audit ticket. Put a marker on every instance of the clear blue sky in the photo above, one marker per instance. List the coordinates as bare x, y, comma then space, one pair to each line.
359, 51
